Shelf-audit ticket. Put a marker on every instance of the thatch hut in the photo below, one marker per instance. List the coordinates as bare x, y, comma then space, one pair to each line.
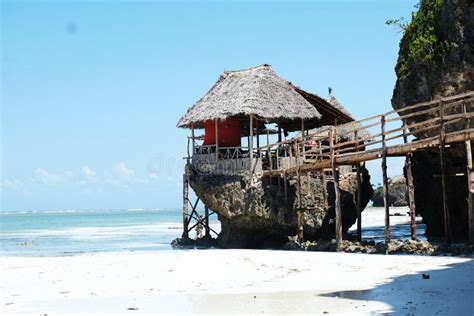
240, 104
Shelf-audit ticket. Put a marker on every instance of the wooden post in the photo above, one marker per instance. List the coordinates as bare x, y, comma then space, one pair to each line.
303, 149
284, 183
385, 183
447, 228
325, 192
192, 139
185, 205
411, 195
359, 195
337, 202
469, 180
206, 221
269, 153
217, 140
258, 139
251, 142
469, 191
410, 186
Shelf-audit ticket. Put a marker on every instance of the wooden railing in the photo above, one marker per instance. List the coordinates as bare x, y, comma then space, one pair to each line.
394, 133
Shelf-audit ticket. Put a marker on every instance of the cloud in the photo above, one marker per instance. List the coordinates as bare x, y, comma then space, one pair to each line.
88, 172
13, 184
47, 178
123, 171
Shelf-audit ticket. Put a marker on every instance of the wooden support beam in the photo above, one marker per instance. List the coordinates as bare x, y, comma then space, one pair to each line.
385, 183
411, 195
206, 222
285, 185
444, 179
185, 205
337, 202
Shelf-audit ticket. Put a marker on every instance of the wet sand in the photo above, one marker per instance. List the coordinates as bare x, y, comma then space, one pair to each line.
237, 281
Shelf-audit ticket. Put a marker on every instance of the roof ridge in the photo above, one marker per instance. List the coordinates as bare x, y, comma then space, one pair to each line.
247, 69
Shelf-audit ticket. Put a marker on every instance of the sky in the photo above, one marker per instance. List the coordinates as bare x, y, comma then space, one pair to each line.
91, 91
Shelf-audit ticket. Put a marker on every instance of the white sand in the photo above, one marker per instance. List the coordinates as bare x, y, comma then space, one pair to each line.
238, 281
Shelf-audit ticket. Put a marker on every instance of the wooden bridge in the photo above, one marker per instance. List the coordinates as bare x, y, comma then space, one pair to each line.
397, 133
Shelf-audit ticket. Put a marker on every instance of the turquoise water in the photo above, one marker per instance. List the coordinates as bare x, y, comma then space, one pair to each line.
77, 232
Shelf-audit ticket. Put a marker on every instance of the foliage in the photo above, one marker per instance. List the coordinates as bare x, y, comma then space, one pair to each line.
420, 43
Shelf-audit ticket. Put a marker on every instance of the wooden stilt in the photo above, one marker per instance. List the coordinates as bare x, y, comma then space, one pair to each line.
447, 228
359, 204
470, 213
385, 183
337, 203
285, 185
325, 192
469, 191
411, 195
410, 186
206, 221
185, 205
359, 195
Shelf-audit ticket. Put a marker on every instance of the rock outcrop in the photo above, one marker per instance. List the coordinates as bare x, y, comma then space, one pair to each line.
397, 193
256, 213
443, 67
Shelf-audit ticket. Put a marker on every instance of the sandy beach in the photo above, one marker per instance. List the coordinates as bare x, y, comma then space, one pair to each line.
237, 281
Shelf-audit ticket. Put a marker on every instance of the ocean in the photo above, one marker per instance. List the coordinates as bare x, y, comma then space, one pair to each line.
67, 233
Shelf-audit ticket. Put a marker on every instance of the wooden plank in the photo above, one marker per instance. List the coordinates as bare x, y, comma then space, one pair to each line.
337, 202
185, 205
385, 183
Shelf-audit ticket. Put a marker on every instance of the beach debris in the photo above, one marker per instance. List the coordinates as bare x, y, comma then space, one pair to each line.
132, 308
425, 276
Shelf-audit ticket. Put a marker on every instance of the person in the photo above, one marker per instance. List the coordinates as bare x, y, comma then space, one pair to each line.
199, 228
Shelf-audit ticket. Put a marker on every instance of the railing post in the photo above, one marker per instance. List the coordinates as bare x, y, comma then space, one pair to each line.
385, 182
447, 226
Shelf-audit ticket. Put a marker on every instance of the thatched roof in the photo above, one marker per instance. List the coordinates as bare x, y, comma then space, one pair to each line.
331, 110
345, 131
258, 91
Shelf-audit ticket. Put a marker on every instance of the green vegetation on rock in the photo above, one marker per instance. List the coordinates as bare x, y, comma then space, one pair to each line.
420, 43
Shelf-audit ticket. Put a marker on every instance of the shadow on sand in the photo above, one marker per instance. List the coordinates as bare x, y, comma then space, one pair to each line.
449, 291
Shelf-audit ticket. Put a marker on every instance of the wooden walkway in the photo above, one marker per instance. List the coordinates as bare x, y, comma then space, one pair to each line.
397, 133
